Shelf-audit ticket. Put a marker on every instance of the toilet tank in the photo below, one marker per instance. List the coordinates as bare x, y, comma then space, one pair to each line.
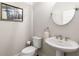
37, 41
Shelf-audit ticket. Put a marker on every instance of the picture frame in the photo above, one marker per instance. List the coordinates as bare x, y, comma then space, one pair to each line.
11, 13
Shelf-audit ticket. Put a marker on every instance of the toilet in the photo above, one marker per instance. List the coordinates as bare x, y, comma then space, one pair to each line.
32, 50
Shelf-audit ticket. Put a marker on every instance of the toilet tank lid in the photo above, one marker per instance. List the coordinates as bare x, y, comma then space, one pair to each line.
36, 37
28, 49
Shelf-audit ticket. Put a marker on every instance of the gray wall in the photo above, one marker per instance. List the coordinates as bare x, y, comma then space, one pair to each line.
13, 35
41, 17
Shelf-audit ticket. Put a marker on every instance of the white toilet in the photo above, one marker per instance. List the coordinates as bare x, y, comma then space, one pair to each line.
32, 50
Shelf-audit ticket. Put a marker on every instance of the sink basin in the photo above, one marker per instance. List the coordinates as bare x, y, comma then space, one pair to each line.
62, 45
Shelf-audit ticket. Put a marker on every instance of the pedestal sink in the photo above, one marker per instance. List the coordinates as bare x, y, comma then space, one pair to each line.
62, 45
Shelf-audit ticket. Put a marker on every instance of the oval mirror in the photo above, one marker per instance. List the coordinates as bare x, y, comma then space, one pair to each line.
62, 13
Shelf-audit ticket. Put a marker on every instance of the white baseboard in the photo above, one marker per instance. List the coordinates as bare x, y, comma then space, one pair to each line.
42, 54
18, 54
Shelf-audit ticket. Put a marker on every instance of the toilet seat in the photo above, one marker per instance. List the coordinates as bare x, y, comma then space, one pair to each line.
29, 50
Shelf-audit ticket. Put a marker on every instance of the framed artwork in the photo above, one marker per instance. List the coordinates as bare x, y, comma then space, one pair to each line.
11, 13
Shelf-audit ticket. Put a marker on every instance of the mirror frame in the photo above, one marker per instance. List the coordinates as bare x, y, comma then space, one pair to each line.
61, 23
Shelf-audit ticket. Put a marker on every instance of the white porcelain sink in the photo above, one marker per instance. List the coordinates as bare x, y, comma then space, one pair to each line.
62, 45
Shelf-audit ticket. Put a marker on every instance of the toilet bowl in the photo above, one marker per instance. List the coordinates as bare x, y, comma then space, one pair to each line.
29, 51
32, 50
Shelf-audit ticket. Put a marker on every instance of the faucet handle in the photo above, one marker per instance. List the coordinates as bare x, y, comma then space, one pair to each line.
60, 36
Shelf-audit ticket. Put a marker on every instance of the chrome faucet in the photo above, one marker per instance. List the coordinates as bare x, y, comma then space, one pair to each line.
66, 38
59, 37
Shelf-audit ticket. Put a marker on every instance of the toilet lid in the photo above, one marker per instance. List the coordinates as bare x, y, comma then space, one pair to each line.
28, 49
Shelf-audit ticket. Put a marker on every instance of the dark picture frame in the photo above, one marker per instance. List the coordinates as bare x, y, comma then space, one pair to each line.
11, 13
